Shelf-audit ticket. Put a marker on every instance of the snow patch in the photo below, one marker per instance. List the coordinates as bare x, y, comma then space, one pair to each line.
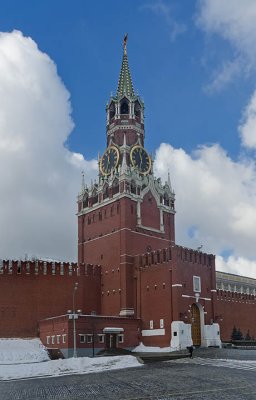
70, 366
147, 349
17, 351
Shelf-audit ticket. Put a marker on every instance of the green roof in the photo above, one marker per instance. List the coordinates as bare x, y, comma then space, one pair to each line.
125, 86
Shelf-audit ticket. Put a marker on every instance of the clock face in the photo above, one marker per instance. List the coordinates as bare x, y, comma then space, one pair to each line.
109, 160
140, 159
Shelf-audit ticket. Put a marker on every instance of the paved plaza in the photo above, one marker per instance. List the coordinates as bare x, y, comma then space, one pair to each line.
212, 374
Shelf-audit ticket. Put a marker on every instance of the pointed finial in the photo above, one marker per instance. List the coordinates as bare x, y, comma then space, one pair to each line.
169, 180
124, 165
125, 42
83, 182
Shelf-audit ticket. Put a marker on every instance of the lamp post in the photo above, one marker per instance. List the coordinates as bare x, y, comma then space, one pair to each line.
73, 315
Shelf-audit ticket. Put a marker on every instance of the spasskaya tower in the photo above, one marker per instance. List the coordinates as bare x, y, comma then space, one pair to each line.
128, 211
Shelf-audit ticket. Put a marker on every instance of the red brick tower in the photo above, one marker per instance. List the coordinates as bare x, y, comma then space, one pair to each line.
128, 211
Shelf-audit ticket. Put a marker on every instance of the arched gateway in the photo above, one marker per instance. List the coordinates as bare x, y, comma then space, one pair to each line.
195, 325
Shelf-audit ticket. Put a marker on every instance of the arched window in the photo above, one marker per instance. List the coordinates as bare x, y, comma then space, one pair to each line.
105, 192
137, 109
133, 187
124, 107
166, 199
112, 111
85, 201
115, 187
95, 197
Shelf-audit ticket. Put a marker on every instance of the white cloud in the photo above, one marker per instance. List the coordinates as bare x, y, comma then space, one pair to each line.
236, 265
39, 177
216, 199
247, 127
233, 21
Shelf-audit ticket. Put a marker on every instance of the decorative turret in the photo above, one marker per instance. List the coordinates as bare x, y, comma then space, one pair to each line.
125, 110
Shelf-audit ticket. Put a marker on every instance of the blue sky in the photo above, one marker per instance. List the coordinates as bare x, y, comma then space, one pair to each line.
194, 64
171, 72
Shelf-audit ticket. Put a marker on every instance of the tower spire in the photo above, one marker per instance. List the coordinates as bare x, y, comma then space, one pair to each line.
125, 85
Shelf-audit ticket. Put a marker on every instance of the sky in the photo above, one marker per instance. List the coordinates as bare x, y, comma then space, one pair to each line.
193, 63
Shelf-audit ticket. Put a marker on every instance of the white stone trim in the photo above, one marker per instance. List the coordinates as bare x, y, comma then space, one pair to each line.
194, 297
153, 332
127, 229
178, 285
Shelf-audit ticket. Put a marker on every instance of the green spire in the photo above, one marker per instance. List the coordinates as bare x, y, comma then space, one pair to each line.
125, 86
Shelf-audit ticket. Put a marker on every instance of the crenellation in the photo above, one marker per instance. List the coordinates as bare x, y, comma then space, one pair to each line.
47, 268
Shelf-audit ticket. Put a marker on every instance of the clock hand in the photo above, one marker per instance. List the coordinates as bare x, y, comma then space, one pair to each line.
140, 157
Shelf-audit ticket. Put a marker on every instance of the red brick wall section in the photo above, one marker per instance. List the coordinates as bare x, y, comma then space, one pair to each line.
235, 309
154, 302
87, 325
29, 294
150, 214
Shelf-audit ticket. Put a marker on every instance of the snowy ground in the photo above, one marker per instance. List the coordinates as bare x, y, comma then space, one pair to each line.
147, 349
26, 359
16, 351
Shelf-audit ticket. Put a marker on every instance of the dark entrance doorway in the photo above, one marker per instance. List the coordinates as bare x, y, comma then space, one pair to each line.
111, 341
195, 325
112, 337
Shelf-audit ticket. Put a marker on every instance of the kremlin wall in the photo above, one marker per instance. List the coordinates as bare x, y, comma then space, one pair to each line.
132, 282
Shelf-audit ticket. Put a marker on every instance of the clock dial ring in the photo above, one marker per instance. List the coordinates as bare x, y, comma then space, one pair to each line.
140, 159
109, 160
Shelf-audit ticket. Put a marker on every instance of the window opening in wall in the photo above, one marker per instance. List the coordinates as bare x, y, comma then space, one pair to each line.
19, 267
82, 338
64, 338
161, 323
48, 339
101, 338
133, 188
112, 110
58, 339
120, 338
115, 187
85, 202
197, 283
124, 108
105, 193
53, 339
151, 324
89, 338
